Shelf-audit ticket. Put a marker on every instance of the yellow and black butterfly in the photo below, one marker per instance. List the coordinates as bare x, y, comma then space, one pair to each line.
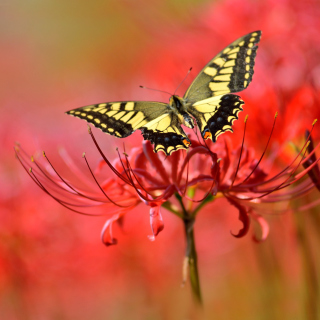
207, 101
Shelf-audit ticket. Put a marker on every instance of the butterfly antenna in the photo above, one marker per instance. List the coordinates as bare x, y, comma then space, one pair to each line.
143, 87
183, 80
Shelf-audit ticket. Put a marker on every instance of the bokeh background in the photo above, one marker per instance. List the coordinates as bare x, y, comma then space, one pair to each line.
58, 55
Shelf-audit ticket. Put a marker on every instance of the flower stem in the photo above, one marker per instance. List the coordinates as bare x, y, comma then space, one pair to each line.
191, 253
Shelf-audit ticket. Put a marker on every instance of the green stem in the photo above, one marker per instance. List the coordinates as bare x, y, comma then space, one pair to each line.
191, 253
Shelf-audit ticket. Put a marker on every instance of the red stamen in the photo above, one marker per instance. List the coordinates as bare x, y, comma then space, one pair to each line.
279, 187
105, 158
263, 153
67, 184
132, 184
281, 173
244, 134
63, 203
118, 205
130, 170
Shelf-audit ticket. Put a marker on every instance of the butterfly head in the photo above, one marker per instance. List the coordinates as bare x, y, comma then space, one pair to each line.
176, 102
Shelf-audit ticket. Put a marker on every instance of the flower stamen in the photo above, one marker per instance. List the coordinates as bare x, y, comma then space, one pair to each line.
263, 153
106, 159
244, 134
98, 184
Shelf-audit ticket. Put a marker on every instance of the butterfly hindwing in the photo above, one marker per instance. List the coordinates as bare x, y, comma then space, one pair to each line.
121, 119
230, 71
166, 134
216, 115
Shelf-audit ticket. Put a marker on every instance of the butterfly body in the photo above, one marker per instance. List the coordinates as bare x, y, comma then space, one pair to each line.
208, 103
180, 109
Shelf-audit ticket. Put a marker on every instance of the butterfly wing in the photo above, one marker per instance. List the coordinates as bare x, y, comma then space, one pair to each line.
230, 71
166, 134
155, 119
216, 115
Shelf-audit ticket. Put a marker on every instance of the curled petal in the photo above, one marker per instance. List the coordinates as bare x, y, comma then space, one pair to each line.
243, 217
263, 225
156, 222
106, 232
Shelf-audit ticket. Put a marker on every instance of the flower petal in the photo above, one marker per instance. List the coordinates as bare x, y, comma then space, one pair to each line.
243, 217
174, 159
263, 225
156, 222
106, 232
155, 161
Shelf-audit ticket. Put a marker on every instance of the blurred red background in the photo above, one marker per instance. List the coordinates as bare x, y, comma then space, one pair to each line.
59, 55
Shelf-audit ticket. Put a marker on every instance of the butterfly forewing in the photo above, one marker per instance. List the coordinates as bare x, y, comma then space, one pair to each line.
230, 71
156, 121
120, 118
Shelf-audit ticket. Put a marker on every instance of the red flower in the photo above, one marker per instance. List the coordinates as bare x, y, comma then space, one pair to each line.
195, 178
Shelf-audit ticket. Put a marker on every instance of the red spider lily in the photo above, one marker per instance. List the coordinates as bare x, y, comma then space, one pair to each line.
210, 170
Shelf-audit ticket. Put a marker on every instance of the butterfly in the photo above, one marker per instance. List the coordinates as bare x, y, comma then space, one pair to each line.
208, 103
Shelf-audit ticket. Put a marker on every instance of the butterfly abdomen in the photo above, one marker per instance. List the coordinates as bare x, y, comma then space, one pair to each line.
178, 106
